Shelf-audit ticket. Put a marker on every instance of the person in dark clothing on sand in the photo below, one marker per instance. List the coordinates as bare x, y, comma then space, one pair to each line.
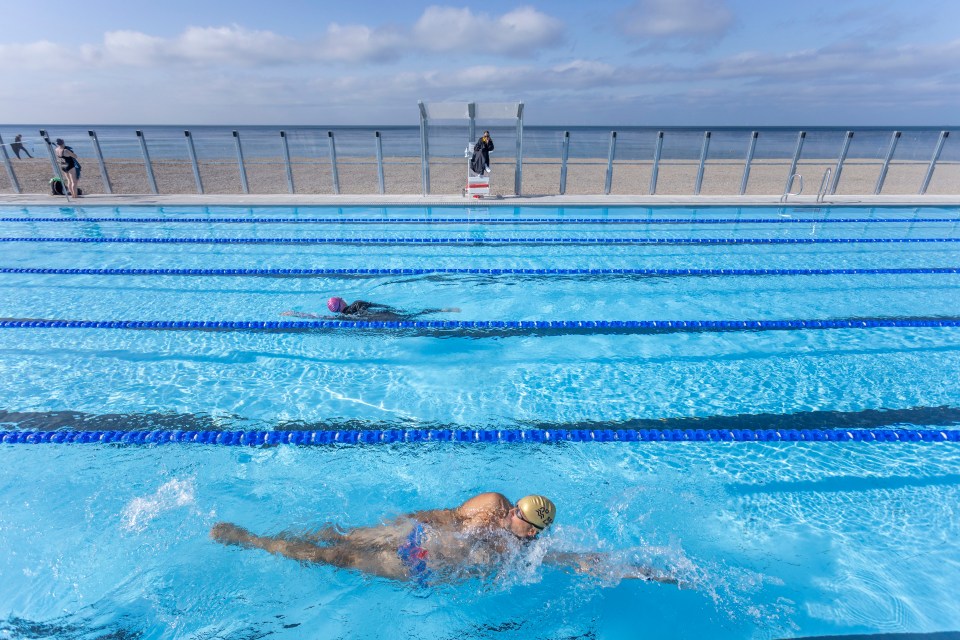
17, 147
363, 310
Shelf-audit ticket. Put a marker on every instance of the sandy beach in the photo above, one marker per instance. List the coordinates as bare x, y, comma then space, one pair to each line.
358, 176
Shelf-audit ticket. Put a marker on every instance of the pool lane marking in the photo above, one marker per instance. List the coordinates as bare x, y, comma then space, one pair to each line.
467, 220
483, 328
256, 438
470, 271
487, 241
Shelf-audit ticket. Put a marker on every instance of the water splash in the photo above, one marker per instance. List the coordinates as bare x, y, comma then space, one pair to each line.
173, 494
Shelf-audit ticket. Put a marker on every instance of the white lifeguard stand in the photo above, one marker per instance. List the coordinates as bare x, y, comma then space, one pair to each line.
478, 186
471, 111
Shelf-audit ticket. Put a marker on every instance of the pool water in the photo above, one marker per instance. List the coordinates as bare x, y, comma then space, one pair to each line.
775, 539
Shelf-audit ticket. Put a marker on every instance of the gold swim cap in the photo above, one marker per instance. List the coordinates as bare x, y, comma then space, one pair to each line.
537, 510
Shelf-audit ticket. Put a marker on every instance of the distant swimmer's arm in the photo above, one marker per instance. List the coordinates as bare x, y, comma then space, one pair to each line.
599, 564
300, 314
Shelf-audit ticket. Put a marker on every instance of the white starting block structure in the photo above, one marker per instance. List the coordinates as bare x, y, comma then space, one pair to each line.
496, 113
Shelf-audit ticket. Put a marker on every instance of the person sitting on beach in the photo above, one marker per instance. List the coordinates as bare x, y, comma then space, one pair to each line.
70, 166
17, 147
363, 310
440, 545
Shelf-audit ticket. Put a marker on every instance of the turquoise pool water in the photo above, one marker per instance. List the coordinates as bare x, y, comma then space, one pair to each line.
777, 539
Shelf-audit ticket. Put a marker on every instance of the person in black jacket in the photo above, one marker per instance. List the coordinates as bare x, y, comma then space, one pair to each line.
482, 149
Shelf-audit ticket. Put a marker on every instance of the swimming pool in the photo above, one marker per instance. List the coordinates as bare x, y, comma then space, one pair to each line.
779, 539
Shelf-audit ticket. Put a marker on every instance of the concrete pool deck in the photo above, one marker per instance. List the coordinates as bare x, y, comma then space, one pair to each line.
304, 200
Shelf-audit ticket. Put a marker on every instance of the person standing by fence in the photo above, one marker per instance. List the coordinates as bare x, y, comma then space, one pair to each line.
70, 166
17, 147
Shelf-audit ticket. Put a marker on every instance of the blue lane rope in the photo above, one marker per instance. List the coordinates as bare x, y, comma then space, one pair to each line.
586, 326
388, 436
482, 271
481, 241
448, 220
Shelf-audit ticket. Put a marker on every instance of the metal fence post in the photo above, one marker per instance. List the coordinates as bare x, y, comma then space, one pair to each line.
796, 158
243, 169
840, 161
656, 163
146, 161
894, 139
749, 160
193, 161
610, 153
6, 163
564, 154
424, 150
53, 157
472, 114
286, 160
933, 161
703, 160
518, 173
333, 163
103, 166
379, 161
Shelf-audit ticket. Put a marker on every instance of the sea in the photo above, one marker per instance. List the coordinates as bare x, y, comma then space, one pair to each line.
630, 143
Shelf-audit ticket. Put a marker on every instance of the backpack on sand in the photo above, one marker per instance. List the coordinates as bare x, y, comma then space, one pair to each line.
57, 188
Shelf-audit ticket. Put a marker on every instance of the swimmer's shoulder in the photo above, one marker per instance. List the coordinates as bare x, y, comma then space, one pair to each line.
484, 508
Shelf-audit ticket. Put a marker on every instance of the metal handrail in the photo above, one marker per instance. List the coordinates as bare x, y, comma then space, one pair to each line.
790, 181
824, 184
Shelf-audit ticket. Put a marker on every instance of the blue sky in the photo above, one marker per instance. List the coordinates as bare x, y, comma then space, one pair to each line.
630, 62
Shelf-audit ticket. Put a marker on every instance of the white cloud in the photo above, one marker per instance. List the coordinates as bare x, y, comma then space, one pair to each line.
126, 48
234, 44
359, 43
889, 63
694, 24
35, 55
459, 32
521, 31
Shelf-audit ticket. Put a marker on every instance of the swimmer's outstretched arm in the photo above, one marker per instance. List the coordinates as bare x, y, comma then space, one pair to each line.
301, 314
429, 311
598, 564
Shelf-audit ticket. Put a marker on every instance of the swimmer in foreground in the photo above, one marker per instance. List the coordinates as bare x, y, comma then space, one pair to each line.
363, 310
439, 545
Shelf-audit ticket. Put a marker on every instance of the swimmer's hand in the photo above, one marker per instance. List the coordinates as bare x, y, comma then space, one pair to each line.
649, 574
228, 533
300, 314
599, 565
450, 310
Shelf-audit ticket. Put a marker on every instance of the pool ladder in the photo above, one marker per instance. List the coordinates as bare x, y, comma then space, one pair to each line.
821, 192
790, 182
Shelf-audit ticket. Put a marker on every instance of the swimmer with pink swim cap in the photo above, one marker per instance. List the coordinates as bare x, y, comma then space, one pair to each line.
336, 304
363, 310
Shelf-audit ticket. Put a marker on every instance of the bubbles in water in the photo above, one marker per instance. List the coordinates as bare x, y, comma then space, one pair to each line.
173, 494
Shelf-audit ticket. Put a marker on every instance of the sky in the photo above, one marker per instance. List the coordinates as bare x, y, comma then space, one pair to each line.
600, 62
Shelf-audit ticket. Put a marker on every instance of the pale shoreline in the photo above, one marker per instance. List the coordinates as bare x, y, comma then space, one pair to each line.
541, 177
